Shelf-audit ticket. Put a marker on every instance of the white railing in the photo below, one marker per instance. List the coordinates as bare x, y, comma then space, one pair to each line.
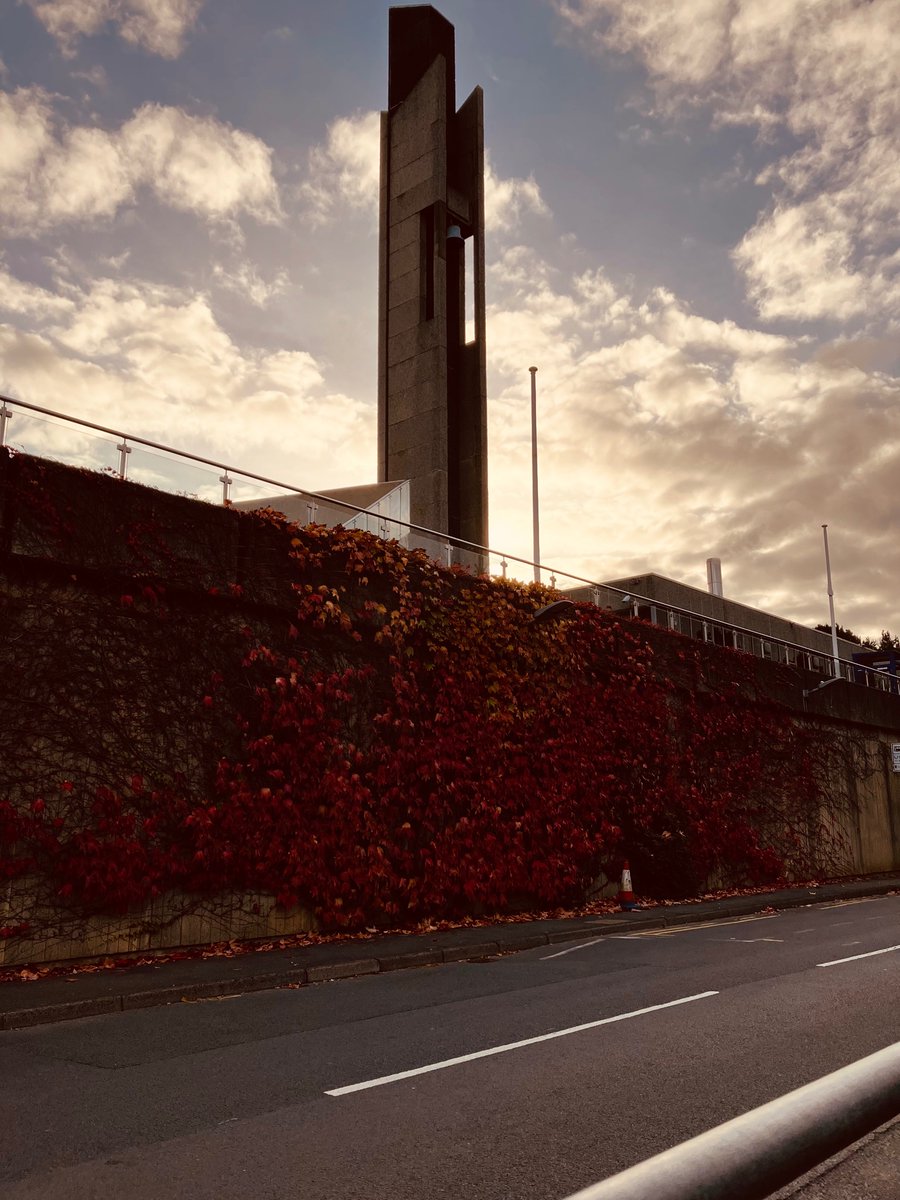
42, 432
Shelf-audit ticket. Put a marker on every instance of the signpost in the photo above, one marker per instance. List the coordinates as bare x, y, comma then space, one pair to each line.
895, 757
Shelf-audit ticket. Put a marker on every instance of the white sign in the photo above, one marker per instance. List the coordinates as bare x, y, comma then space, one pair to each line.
895, 757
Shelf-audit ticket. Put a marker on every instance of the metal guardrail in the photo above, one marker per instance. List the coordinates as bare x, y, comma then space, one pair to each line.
441, 547
754, 1155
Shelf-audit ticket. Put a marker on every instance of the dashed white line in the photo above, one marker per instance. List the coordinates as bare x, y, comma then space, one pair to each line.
853, 957
749, 941
532, 1041
581, 945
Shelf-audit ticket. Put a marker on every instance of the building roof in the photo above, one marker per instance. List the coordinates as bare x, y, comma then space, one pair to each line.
295, 505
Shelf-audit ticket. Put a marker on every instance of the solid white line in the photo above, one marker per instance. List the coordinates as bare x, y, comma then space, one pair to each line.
532, 1041
853, 957
580, 946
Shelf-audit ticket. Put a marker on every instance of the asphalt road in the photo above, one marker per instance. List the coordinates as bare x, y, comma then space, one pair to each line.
260, 1096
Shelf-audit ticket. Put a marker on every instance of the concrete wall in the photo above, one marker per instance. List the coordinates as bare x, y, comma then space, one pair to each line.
432, 406
170, 923
63, 539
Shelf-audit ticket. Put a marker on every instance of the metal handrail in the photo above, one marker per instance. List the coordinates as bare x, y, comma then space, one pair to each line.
754, 1155
878, 678
290, 487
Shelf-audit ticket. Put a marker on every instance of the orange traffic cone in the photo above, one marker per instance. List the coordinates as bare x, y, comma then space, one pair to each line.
626, 895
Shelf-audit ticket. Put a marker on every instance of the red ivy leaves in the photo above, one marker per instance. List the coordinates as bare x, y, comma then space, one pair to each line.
414, 747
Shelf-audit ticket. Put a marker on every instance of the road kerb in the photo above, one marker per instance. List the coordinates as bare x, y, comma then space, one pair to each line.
50, 1014
342, 970
470, 950
415, 958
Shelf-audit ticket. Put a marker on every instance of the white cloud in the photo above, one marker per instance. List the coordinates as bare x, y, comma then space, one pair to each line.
155, 362
52, 173
157, 26
506, 201
245, 281
666, 437
797, 261
28, 299
344, 172
828, 75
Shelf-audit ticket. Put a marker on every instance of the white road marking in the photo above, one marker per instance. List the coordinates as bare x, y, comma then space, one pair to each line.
692, 928
853, 957
857, 943
532, 1041
812, 929
580, 946
750, 941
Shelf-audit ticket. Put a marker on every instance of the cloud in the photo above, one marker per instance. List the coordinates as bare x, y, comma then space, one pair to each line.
344, 174
28, 299
245, 281
53, 173
155, 362
666, 437
157, 26
343, 171
824, 78
506, 201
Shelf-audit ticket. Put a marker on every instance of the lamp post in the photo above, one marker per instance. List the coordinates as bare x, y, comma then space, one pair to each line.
534, 478
834, 640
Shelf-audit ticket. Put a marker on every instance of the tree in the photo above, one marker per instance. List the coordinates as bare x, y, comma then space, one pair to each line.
886, 643
847, 634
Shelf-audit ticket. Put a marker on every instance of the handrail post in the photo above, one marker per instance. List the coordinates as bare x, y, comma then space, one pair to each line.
5, 418
124, 450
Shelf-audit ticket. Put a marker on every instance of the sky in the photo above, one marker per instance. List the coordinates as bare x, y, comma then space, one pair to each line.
691, 232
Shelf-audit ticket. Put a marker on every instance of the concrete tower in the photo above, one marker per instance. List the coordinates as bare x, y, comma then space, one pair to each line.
432, 390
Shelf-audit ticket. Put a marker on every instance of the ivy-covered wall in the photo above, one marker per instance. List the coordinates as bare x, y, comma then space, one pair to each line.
197, 702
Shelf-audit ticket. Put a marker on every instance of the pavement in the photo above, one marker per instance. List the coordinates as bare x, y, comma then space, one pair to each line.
867, 1170
67, 997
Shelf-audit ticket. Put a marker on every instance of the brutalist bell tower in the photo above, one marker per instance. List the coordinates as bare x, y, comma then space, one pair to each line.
432, 389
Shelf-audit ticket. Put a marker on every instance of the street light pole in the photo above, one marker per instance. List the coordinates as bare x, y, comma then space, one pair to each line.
534, 478
834, 641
